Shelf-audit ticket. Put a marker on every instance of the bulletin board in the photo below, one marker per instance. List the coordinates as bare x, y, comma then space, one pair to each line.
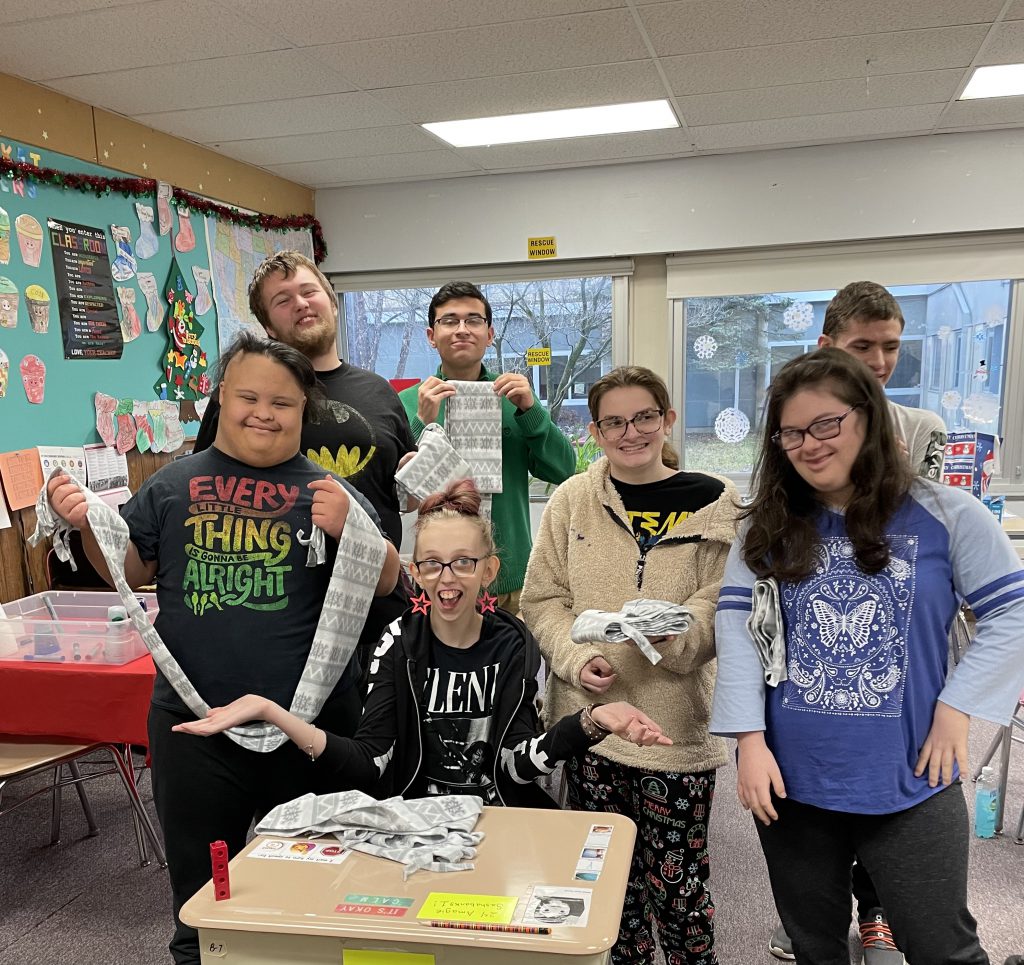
61, 250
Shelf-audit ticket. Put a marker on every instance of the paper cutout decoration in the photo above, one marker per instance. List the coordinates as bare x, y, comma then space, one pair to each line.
148, 244
705, 347
163, 206
798, 317
30, 239
155, 306
37, 301
185, 240
33, 378
124, 425
951, 399
5, 237
204, 300
131, 327
732, 425
22, 475
144, 435
981, 407
184, 362
944, 332
995, 315
9, 298
124, 265
129, 423
105, 405
5, 369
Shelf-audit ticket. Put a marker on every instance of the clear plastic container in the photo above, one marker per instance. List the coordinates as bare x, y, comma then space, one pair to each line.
70, 626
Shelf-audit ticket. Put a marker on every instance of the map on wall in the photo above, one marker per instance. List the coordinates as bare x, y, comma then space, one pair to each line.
235, 251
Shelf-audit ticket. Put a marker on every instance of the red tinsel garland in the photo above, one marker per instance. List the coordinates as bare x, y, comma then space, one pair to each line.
142, 187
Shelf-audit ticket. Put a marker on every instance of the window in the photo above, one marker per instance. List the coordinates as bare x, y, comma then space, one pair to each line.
951, 360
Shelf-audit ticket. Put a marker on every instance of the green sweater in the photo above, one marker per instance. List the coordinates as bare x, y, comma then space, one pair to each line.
531, 445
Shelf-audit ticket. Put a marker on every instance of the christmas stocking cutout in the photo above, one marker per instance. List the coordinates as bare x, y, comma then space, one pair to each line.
186, 239
124, 265
149, 243
163, 206
175, 434
156, 420
105, 406
204, 301
131, 327
126, 429
154, 306
140, 413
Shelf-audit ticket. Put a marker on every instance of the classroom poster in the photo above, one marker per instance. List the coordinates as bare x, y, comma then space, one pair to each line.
85, 291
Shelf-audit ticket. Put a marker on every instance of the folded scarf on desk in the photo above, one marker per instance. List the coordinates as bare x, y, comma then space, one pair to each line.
768, 631
435, 833
636, 621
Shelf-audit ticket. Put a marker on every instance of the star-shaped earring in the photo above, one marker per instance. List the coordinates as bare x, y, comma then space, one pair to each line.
486, 602
421, 603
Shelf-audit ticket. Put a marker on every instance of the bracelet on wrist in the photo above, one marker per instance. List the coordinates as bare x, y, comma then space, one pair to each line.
591, 728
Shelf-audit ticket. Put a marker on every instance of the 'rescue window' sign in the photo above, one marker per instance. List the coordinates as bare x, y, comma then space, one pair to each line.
538, 356
541, 248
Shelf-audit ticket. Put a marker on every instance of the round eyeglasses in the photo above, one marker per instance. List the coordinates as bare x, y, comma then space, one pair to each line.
463, 566
821, 429
614, 427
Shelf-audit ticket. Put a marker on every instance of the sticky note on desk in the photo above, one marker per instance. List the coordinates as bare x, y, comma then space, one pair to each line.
355, 956
444, 906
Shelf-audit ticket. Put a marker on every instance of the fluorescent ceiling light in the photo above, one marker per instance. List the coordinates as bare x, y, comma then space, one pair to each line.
1003, 80
552, 125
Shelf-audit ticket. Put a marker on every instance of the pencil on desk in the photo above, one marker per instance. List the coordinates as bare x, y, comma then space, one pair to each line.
487, 926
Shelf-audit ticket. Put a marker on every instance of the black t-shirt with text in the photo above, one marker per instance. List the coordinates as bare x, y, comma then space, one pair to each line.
654, 508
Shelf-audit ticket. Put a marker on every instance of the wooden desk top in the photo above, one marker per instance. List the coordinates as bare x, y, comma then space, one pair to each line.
523, 847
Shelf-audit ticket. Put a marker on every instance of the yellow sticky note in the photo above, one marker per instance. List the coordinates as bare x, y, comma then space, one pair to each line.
442, 906
353, 956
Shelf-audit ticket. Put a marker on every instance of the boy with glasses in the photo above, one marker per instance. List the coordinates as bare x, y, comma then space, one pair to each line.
460, 329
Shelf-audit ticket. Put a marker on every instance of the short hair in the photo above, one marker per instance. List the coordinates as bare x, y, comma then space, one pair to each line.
452, 290
459, 499
860, 301
248, 342
634, 376
287, 263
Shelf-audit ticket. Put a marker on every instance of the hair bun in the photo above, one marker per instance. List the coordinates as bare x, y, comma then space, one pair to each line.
460, 496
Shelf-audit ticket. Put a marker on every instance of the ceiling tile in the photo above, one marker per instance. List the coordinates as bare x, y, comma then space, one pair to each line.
1005, 44
1016, 11
311, 22
423, 164
102, 40
209, 83
581, 150
13, 11
830, 97
519, 93
854, 125
815, 60
605, 37
687, 26
989, 111
333, 144
304, 115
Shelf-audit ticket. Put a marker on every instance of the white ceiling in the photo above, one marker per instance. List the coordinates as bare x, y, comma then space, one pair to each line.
330, 92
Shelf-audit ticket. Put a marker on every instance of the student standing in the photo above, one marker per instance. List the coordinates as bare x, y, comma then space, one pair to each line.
635, 526
858, 751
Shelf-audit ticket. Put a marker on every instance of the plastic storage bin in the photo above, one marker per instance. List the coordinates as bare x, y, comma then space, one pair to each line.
68, 626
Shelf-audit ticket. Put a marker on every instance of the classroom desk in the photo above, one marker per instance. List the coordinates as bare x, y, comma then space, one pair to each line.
283, 912
82, 702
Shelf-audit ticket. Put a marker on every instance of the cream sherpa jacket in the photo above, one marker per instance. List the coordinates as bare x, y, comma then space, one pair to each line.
585, 557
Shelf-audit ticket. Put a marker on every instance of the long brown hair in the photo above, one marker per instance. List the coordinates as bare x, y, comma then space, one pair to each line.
634, 376
782, 537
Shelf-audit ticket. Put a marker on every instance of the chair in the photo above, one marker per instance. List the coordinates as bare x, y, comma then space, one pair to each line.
1003, 742
21, 758
60, 575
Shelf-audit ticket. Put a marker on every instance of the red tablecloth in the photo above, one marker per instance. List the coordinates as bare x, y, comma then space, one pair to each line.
78, 702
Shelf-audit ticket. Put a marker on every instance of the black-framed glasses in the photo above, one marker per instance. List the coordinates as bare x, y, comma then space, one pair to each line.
472, 322
614, 427
820, 429
462, 566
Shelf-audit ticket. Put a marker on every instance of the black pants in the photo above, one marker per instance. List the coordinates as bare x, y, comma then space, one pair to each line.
864, 892
916, 858
208, 789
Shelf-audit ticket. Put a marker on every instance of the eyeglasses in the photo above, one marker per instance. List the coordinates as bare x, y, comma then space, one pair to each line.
614, 427
820, 429
463, 566
472, 322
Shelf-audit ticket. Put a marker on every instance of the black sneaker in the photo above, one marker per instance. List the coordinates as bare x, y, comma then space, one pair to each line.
780, 945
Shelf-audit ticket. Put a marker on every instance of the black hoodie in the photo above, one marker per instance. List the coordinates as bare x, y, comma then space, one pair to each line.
386, 755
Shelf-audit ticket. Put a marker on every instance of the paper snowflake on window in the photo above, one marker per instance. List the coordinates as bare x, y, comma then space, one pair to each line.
742, 358
980, 335
705, 347
995, 315
944, 332
732, 425
951, 399
799, 316
981, 407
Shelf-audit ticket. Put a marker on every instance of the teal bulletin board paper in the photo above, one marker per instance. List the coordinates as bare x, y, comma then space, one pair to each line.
67, 416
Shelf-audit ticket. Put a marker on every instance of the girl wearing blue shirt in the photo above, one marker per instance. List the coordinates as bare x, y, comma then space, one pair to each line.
856, 752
